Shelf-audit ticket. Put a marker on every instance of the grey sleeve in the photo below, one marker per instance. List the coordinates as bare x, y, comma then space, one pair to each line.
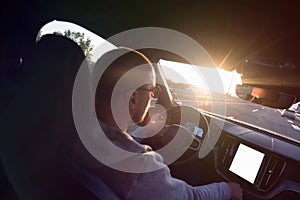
214, 191
161, 185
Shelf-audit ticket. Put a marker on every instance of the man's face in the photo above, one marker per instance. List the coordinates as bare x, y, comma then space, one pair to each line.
142, 81
140, 102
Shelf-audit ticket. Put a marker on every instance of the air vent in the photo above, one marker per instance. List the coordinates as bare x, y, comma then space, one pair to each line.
272, 169
227, 151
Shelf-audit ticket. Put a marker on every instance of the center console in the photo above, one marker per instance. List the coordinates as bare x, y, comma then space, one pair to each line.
256, 169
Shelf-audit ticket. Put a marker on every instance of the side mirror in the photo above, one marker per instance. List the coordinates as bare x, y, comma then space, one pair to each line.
266, 97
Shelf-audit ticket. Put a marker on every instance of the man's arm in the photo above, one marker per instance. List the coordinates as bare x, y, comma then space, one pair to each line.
161, 185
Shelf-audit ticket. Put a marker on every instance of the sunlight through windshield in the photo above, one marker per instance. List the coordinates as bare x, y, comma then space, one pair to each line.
189, 75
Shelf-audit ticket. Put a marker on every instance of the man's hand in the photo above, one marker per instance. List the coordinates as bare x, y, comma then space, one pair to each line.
154, 125
236, 191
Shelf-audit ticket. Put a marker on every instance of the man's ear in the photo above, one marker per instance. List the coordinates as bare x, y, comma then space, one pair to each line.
132, 100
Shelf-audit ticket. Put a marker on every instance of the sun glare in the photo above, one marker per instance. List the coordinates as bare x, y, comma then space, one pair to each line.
200, 76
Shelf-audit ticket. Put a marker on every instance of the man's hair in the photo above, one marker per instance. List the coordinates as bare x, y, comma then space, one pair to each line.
119, 62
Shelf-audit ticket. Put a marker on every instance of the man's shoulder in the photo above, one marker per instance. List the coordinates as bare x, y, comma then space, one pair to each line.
123, 139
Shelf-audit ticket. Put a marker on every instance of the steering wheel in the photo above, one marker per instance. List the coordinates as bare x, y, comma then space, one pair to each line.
183, 134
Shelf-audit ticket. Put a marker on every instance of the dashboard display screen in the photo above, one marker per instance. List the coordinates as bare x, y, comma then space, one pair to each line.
198, 131
246, 163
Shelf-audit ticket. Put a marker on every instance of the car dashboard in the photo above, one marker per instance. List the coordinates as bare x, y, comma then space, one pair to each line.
256, 146
265, 166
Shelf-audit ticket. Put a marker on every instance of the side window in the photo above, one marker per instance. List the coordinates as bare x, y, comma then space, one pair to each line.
87, 40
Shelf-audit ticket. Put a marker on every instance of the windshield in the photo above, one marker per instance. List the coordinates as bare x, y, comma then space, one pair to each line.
192, 85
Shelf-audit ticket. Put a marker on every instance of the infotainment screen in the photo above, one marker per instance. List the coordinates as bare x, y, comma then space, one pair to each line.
246, 163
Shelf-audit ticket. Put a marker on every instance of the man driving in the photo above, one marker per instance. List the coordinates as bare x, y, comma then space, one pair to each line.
123, 97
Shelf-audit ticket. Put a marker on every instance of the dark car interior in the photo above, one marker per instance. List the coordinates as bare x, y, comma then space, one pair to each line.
259, 39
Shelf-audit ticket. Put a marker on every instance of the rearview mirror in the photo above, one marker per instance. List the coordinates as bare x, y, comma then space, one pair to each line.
266, 97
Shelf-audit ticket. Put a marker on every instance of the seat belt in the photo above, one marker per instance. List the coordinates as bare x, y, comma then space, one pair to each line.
91, 182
